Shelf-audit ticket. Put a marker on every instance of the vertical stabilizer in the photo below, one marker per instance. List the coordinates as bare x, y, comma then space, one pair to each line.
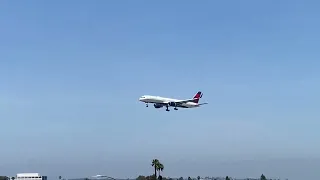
197, 97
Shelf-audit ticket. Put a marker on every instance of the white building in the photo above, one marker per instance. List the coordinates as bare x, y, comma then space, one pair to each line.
30, 176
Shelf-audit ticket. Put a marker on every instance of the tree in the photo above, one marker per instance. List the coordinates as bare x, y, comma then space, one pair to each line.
152, 177
189, 178
160, 167
227, 178
3, 178
141, 178
198, 177
263, 177
181, 178
60, 177
155, 165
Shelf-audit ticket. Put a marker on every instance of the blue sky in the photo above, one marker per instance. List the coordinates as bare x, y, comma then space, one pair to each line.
71, 74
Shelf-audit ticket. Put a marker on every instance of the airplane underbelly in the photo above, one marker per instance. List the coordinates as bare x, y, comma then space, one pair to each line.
185, 105
189, 105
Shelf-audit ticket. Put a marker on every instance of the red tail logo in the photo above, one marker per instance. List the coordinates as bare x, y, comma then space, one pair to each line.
197, 97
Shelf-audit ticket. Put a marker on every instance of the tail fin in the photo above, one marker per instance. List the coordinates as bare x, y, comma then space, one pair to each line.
197, 97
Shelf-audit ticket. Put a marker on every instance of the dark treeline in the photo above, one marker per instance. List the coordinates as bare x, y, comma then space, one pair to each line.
153, 177
4, 178
159, 167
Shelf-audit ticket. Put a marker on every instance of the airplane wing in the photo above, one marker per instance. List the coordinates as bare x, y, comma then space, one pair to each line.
183, 101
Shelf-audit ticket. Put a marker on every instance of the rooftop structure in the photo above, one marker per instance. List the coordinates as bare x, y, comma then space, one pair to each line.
30, 176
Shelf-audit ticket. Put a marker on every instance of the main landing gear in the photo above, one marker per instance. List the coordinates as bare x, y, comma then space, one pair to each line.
175, 108
167, 108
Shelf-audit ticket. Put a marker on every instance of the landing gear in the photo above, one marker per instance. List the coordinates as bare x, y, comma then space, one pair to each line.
175, 108
167, 108
146, 104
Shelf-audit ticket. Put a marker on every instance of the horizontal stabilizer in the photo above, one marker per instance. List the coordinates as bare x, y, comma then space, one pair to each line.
202, 104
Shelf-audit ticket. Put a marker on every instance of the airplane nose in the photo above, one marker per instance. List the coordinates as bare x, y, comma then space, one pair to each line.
142, 99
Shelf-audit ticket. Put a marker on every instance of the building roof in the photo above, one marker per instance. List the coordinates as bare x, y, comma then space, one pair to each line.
28, 175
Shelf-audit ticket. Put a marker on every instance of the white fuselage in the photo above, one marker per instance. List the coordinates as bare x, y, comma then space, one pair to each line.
159, 99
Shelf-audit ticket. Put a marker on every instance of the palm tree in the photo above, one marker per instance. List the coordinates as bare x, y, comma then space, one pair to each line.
155, 164
160, 167
263, 177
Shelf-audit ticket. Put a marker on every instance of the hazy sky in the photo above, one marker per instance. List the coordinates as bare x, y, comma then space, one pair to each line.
71, 73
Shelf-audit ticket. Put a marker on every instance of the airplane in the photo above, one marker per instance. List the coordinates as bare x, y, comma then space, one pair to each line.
159, 102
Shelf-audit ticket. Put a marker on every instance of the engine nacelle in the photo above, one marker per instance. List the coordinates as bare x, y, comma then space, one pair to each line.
157, 105
172, 104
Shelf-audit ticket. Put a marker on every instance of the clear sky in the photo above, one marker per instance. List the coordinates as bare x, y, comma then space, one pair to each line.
71, 73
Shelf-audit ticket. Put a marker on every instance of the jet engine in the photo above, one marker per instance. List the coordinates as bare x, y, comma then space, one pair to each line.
172, 104
157, 105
